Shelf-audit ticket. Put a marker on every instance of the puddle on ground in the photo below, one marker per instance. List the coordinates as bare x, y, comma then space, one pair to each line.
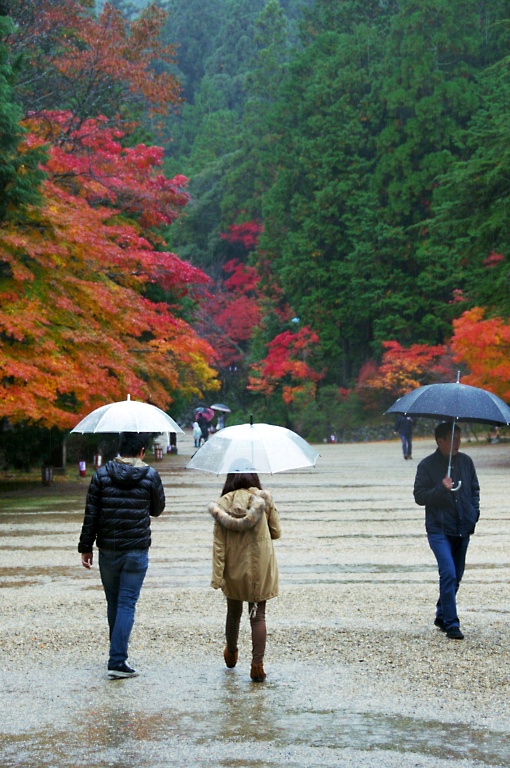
27, 520
376, 536
23, 576
218, 718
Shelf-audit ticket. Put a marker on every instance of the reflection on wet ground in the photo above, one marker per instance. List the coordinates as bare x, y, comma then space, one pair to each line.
215, 717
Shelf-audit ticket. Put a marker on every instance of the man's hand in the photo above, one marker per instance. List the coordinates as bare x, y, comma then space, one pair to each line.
448, 483
86, 559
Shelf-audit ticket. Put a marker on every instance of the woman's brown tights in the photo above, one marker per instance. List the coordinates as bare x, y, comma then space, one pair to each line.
258, 627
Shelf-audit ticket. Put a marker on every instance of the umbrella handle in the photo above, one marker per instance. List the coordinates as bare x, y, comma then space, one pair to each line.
456, 487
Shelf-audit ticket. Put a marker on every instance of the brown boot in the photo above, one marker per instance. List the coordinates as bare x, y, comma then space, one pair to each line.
230, 658
257, 673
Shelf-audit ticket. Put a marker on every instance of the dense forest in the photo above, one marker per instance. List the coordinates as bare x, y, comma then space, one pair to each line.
300, 208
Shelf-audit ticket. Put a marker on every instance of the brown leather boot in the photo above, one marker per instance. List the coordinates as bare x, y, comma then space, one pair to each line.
230, 658
257, 673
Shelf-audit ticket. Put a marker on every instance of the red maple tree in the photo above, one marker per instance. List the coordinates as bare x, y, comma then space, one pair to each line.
483, 344
287, 366
90, 64
401, 370
76, 329
229, 314
77, 325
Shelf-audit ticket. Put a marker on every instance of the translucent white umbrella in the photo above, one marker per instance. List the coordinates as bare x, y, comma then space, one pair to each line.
127, 416
260, 448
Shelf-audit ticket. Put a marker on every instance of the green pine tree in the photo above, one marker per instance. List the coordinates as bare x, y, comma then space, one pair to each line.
19, 170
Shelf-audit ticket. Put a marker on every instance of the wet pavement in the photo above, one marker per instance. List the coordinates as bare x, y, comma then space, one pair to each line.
213, 717
350, 645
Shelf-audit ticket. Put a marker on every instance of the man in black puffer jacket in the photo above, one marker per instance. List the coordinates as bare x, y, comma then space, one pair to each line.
450, 518
120, 501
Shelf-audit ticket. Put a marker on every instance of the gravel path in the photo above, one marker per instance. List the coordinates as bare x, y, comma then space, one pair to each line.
357, 674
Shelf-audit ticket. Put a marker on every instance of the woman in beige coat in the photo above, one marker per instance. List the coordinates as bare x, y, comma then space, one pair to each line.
244, 561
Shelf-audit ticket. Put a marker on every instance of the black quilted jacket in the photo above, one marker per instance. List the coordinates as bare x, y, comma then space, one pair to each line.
120, 501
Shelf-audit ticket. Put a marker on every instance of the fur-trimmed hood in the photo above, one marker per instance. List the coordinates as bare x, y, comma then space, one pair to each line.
240, 510
244, 562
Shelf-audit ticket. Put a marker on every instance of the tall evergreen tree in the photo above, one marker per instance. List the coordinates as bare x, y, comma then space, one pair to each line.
471, 220
19, 165
373, 113
251, 166
430, 93
320, 208
193, 25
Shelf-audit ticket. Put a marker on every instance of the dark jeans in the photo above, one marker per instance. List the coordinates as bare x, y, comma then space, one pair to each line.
258, 628
407, 445
122, 574
450, 553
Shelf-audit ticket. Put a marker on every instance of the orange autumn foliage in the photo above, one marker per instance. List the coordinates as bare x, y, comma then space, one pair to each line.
98, 64
76, 328
483, 344
401, 370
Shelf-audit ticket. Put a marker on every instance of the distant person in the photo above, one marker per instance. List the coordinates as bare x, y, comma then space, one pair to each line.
221, 421
204, 428
450, 518
197, 433
244, 561
494, 435
404, 429
121, 498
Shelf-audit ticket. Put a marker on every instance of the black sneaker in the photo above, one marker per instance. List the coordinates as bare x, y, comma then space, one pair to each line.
454, 633
121, 670
440, 624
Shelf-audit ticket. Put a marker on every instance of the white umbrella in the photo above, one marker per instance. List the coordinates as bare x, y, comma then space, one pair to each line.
260, 448
127, 416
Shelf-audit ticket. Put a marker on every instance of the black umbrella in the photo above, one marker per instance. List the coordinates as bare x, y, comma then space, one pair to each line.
221, 407
455, 401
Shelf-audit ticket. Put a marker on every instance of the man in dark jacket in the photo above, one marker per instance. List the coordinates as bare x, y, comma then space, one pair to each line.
120, 501
450, 518
404, 429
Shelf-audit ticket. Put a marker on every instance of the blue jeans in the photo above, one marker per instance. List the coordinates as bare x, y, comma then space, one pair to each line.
450, 553
122, 574
406, 445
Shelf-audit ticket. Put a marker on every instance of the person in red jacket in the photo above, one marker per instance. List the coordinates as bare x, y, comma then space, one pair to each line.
122, 497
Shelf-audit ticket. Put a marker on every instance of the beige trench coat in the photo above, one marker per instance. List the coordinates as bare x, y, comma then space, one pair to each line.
244, 562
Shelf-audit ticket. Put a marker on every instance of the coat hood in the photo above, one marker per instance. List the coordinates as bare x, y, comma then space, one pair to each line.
239, 510
126, 473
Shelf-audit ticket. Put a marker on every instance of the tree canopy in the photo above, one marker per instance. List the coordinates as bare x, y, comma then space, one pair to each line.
80, 321
301, 202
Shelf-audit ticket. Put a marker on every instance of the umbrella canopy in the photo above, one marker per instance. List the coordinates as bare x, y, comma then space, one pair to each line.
127, 416
207, 413
453, 401
260, 448
221, 407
